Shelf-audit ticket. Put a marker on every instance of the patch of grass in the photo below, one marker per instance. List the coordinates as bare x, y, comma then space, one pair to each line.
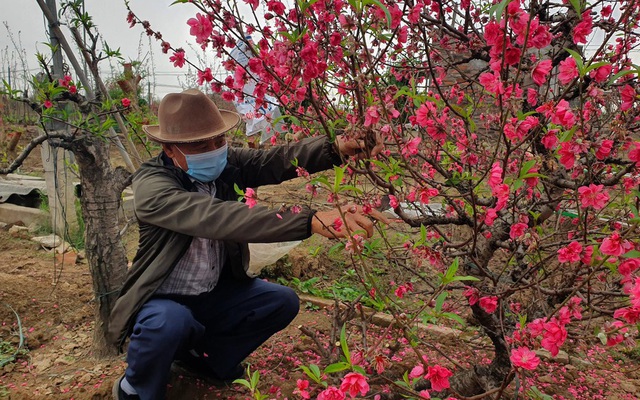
10, 353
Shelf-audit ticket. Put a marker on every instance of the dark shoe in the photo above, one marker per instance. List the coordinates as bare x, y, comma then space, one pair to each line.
119, 394
197, 369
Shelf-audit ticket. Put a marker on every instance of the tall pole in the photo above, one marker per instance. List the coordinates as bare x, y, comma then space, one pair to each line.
55, 44
58, 177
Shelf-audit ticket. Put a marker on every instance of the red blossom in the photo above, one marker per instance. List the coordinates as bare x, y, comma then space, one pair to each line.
301, 388
354, 383
518, 230
634, 153
495, 176
201, 28
354, 245
250, 197
553, 337
489, 304
604, 150
371, 116
177, 58
614, 245
411, 147
583, 29
331, 393
205, 76
522, 357
570, 253
601, 74
567, 155
629, 314
593, 196
541, 71
627, 267
253, 3
567, 70
628, 96
439, 377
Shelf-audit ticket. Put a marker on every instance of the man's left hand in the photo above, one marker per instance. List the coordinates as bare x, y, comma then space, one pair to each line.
356, 147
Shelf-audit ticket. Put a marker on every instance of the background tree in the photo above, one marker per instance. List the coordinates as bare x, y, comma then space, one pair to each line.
89, 134
510, 131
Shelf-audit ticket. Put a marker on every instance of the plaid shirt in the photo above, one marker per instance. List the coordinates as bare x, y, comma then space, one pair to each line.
199, 269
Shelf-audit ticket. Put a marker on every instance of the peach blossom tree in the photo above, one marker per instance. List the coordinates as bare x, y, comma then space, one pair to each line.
511, 152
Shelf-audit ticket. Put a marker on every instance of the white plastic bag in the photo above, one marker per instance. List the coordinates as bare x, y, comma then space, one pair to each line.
263, 254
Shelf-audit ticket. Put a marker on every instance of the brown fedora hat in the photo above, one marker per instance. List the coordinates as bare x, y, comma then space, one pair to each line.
190, 116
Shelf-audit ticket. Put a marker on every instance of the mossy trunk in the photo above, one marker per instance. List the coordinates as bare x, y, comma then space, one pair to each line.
101, 200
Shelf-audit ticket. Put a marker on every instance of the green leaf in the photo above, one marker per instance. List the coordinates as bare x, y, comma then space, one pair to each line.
243, 382
566, 135
579, 61
440, 301
454, 317
344, 345
526, 167
255, 378
632, 254
313, 372
464, 278
359, 369
577, 5
339, 171
337, 367
498, 9
451, 271
351, 188
623, 73
304, 4
237, 189
423, 237
382, 7
293, 119
593, 66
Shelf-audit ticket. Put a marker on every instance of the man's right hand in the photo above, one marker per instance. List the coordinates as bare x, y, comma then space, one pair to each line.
356, 221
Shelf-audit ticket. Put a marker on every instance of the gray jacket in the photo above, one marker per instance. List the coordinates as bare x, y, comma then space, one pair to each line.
171, 212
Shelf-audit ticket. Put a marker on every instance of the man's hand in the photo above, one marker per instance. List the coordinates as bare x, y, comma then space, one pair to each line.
331, 224
355, 147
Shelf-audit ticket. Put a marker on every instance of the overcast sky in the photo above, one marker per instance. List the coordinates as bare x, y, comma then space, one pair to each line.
29, 30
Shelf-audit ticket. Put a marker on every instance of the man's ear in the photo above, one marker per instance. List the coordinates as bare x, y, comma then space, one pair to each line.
168, 150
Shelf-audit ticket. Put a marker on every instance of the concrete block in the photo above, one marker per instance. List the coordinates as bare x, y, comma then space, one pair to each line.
11, 213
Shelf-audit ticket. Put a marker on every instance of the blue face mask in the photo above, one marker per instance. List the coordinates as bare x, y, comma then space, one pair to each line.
206, 167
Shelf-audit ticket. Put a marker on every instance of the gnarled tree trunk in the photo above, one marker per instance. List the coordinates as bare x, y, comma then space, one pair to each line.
101, 199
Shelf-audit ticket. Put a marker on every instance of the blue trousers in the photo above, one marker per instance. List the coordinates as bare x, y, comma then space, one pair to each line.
227, 324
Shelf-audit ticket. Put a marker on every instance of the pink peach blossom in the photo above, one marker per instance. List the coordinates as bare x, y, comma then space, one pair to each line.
489, 304
567, 70
570, 253
331, 393
439, 377
541, 71
201, 28
354, 383
524, 358
614, 245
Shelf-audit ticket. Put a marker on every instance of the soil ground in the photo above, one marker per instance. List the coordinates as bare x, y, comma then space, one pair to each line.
51, 297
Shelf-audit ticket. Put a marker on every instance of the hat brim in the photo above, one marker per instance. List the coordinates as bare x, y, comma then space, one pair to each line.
230, 119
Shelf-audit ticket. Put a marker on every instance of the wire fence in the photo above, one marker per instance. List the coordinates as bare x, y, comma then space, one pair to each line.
16, 112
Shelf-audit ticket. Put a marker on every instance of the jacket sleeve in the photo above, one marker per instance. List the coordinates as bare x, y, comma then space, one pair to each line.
258, 167
161, 200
